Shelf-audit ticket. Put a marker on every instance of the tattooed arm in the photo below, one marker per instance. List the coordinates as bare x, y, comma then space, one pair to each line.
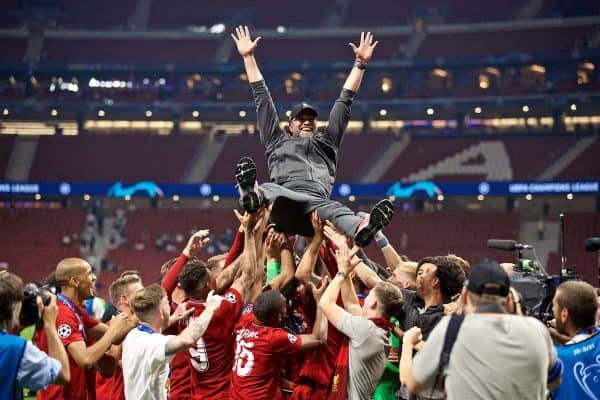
196, 329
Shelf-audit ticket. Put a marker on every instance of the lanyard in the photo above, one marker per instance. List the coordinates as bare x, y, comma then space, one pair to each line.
145, 328
65, 300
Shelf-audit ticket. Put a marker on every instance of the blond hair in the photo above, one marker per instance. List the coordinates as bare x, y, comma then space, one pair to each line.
119, 287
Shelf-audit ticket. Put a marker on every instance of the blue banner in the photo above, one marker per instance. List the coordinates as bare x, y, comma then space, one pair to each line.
397, 189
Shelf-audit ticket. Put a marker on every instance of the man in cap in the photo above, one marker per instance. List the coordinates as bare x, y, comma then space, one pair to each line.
495, 355
303, 162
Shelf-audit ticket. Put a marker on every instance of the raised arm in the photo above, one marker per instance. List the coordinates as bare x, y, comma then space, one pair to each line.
306, 266
319, 333
340, 113
195, 329
328, 302
286, 262
248, 259
267, 119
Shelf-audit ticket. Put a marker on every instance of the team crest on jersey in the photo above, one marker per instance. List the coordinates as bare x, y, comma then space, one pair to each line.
248, 308
292, 338
230, 297
64, 331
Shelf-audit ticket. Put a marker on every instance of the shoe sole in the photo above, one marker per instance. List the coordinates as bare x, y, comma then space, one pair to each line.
245, 176
381, 215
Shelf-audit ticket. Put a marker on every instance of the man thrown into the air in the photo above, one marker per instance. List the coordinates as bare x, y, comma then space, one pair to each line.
303, 162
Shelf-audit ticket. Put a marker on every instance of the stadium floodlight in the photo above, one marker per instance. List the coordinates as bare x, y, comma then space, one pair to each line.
148, 114
54, 112
525, 108
352, 198
101, 113
477, 110
86, 197
281, 29
383, 112
217, 29
440, 197
242, 113
195, 114
570, 196
216, 198
430, 111
528, 197
573, 107
5, 112
481, 197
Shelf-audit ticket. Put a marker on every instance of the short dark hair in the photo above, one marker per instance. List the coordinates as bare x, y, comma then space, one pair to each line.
580, 299
449, 272
11, 293
267, 305
193, 274
130, 272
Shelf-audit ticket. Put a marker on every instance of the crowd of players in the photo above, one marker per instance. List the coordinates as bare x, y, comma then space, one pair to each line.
261, 322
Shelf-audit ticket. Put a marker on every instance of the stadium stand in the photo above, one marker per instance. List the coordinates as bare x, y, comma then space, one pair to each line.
6, 145
168, 14
107, 158
503, 43
113, 14
30, 240
578, 227
586, 166
137, 51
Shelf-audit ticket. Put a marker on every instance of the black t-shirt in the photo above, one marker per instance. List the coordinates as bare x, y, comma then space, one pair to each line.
414, 313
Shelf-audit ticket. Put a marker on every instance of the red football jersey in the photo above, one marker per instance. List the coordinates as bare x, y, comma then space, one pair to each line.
179, 385
259, 354
212, 358
112, 388
70, 329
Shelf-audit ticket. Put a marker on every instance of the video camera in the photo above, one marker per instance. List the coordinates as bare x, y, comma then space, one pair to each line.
29, 309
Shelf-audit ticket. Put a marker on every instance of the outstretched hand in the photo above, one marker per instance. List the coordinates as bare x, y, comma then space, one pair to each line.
245, 45
364, 51
196, 242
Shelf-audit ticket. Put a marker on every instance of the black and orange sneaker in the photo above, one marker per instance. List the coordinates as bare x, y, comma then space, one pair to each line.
245, 176
380, 216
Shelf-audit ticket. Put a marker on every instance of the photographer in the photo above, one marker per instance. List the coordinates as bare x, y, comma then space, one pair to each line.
23, 364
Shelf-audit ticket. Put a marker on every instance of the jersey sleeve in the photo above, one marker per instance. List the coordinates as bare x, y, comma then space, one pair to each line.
284, 342
228, 312
67, 327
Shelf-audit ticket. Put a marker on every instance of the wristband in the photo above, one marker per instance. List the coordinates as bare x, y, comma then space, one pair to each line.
360, 65
382, 241
341, 273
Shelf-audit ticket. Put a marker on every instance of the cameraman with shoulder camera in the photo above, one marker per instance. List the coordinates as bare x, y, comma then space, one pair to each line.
23, 364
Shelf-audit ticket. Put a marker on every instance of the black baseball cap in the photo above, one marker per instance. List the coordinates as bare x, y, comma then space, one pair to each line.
488, 277
300, 108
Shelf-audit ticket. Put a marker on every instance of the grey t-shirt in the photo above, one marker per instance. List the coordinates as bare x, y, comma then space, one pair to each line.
495, 356
369, 348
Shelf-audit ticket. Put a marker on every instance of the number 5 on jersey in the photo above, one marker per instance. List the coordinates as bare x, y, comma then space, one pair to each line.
244, 359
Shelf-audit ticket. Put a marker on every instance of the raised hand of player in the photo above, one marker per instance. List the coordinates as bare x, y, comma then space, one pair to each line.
245, 45
317, 225
213, 300
196, 242
247, 220
364, 51
335, 236
181, 312
344, 256
318, 292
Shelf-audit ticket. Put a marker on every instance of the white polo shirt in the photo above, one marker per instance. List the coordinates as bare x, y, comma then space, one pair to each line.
145, 365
